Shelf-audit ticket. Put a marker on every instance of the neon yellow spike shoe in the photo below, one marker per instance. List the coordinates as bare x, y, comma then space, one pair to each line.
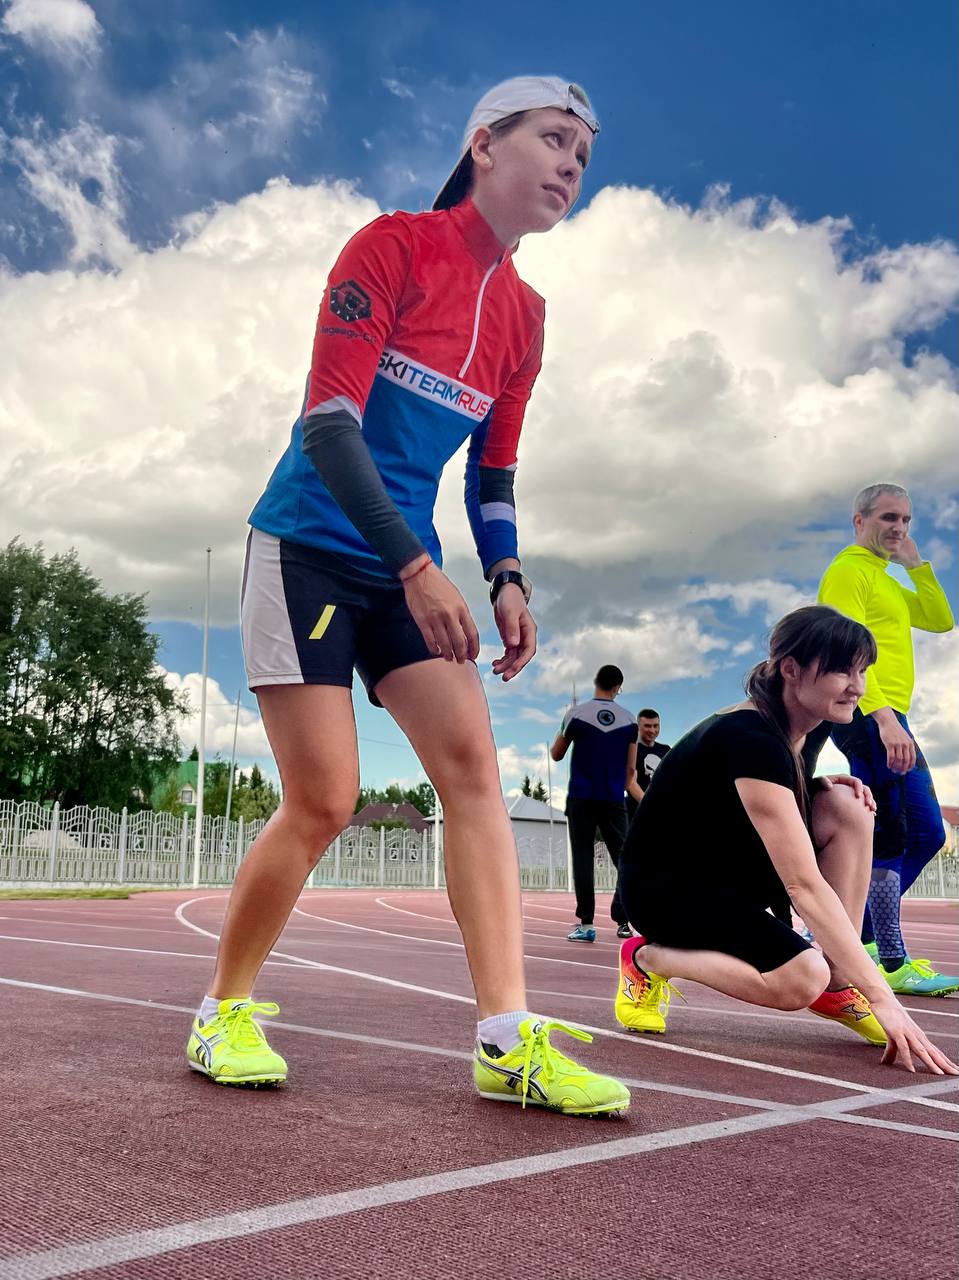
642, 999
232, 1049
850, 1007
537, 1073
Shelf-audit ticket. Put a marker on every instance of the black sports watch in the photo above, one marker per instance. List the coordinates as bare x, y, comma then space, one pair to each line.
514, 576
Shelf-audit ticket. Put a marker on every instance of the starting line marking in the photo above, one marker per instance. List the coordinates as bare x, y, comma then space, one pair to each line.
68, 1260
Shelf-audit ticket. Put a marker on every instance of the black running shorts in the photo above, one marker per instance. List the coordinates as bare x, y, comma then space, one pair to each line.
697, 917
309, 617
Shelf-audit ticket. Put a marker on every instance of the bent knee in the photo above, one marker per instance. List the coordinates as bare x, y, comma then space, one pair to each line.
800, 981
837, 808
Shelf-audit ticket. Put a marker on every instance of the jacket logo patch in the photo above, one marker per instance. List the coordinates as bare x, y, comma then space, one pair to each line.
349, 302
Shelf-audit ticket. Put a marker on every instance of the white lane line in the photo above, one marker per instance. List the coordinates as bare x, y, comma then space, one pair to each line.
924, 1008
103, 946
405, 1046
439, 942
646, 1042
68, 1260
681, 1010
873, 1122
86, 924
329, 968
140, 951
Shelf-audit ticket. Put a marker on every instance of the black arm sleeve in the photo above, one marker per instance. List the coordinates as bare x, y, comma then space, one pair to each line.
334, 444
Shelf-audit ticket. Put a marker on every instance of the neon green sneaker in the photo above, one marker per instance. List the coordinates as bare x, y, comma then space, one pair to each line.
917, 977
232, 1049
537, 1073
872, 951
642, 999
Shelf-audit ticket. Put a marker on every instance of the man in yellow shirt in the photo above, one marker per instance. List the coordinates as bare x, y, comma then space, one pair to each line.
878, 743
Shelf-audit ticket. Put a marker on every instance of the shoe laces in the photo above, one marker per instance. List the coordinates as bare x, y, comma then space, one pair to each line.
658, 991
923, 967
239, 1027
552, 1060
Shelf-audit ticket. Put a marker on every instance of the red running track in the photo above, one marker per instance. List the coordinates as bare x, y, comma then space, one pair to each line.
757, 1144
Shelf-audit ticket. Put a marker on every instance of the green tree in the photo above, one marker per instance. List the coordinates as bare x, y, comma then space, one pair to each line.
421, 797
216, 784
539, 791
85, 715
527, 787
254, 797
169, 799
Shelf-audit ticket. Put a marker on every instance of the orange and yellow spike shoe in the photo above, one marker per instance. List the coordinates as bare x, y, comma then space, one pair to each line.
850, 1007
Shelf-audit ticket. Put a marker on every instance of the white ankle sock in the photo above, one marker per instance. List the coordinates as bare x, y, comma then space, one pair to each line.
502, 1029
208, 1009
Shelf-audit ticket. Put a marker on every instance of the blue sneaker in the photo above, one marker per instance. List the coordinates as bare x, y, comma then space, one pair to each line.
582, 933
918, 978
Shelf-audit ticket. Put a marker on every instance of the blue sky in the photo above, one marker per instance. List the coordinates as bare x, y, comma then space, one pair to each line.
132, 138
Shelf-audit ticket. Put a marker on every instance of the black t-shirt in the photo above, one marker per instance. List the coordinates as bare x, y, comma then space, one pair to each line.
647, 761
692, 823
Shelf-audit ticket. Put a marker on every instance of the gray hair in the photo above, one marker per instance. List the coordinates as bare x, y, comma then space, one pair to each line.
866, 499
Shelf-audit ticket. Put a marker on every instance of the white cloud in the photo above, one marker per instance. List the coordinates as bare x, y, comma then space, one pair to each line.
64, 28
76, 176
515, 764
777, 598
714, 381
251, 739
397, 88
934, 717
655, 645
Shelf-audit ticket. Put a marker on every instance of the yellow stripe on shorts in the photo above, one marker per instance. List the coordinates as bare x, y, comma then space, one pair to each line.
324, 620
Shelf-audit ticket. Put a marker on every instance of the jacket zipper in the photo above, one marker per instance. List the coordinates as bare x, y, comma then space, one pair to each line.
476, 319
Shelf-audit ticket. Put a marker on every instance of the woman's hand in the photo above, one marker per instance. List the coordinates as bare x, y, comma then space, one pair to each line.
517, 631
859, 788
907, 1040
440, 612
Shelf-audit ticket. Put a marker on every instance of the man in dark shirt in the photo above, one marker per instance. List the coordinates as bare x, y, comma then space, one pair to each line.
649, 752
603, 737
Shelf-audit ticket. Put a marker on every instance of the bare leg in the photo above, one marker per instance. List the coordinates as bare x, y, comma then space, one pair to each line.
313, 736
842, 833
794, 985
442, 709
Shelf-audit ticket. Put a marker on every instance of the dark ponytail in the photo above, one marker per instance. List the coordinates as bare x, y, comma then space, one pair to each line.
814, 633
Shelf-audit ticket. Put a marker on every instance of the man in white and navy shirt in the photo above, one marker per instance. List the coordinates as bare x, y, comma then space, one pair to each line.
603, 737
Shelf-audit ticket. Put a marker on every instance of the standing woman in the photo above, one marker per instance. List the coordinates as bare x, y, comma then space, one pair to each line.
700, 894
426, 336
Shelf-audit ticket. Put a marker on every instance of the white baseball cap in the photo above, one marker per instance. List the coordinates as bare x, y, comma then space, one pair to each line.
522, 93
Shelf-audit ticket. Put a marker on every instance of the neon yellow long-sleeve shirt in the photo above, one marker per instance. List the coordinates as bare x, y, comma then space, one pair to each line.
857, 583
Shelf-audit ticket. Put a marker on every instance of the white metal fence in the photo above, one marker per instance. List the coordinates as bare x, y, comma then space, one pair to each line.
50, 846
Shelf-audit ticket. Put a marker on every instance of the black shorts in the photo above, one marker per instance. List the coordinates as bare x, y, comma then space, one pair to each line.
309, 617
704, 917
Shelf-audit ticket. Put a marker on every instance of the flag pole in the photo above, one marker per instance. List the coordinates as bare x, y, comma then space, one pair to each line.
201, 746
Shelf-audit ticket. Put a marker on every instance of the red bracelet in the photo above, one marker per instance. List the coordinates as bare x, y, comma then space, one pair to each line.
426, 565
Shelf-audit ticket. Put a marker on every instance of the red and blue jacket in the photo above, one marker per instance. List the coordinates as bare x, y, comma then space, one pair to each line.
426, 336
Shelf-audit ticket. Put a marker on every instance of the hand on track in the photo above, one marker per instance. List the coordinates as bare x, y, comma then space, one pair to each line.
907, 1042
